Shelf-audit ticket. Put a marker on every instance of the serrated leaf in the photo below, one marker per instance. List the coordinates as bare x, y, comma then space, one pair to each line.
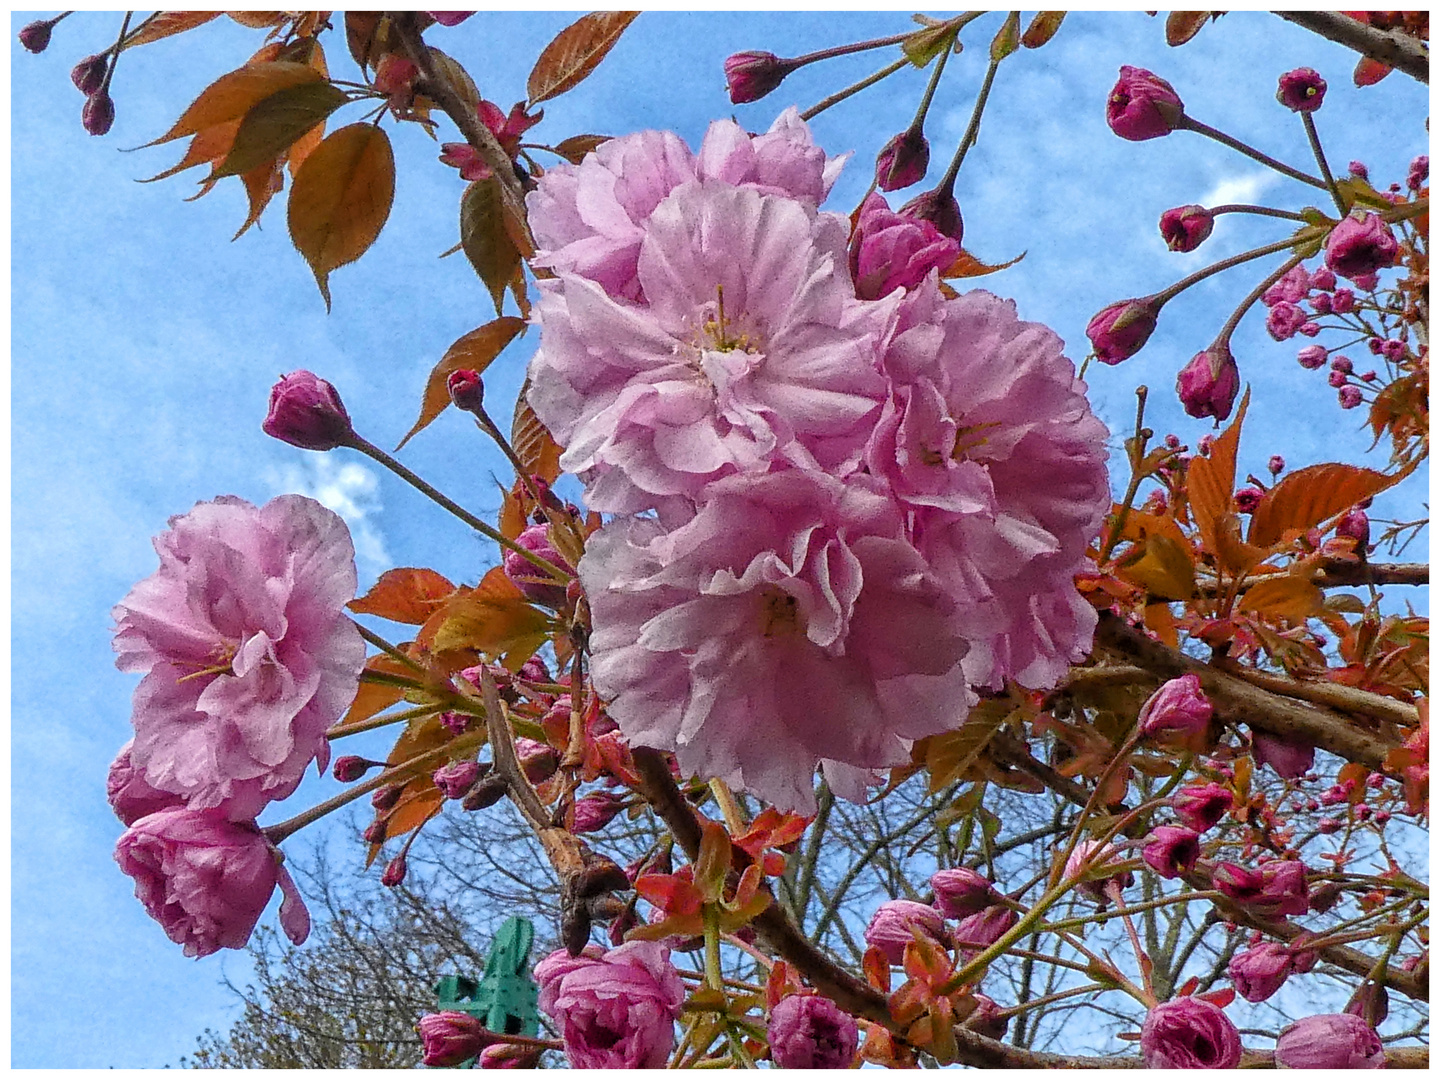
361, 31
231, 96
373, 697
967, 265
576, 147
575, 52
167, 24
925, 45
1211, 480
341, 199
276, 122
1307, 240
493, 618
1290, 598
949, 755
486, 241
210, 145
1007, 39
452, 72
406, 594
1308, 496
1042, 28
261, 184
532, 442
475, 350
1164, 570
1181, 26
257, 20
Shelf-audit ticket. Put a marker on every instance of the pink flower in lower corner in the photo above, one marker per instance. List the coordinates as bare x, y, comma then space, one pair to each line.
1334, 1041
751, 350
1189, 1033
247, 654
616, 1010
788, 624
206, 880
809, 1031
992, 450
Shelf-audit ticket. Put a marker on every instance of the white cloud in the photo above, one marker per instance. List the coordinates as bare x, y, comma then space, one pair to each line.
1239, 189
349, 489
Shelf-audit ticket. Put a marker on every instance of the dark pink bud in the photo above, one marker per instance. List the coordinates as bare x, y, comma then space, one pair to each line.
1092, 860
1292, 287
487, 792
449, 18
1342, 364
306, 411
1418, 174
595, 811
1247, 499
1311, 356
538, 760
98, 113
1119, 331
1371, 1003
1325, 897
374, 833
808, 1031
35, 36
457, 778
1290, 758
1284, 320
455, 722
1328, 826
1208, 385
1206, 444
529, 578
988, 1019
895, 924
1360, 169
1323, 279
466, 390
1321, 303
1178, 711
1239, 884
1185, 228
395, 75
1143, 106
1170, 850
1360, 245
385, 798
1189, 1033
1338, 379
940, 209
452, 1037
1202, 807
961, 891
1343, 302
1334, 1041
978, 932
749, 76
889, 251
1284, 891
1355, 525
1350, 397
903, 160
1393, 350
1301, 90
534, 670
394, 871
1257, 973
350, 768
1276, 465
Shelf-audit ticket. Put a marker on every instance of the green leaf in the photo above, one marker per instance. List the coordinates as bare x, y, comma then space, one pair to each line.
1008, 39
276, 123
925, 45
486, 241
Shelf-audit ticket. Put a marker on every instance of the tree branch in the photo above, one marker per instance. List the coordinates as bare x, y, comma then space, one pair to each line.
1401, 52
1336, 572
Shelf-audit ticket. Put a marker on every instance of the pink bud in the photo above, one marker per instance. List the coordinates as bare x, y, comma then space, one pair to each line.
451, 1038
394, 871
1350, 397
1284, 320
529, 578
455, 779
1239, 884
1091, 859
1259, 972
1119, 331
1419, 172
1247, 499
595, 811
35, 36
1290, 758
961, 891
1292, 287
350, 768
538, 760
978, 932
306, 411
1311, 356
449, 18
1208, 385
1343, 302
1301, 90
1321, 303
98, 113
1393, 350
1323, 279
1143, 106
1276, 465
395, 75
987, 1019
374, 833
1185, 228
888, 251
1334, 1041
385, 798
1338, 379
1327, 826
1283, 890
467, 392
903, 160
749, 76
1178, 711
1202, 807
1171, 851
1360, 245
940, 209
1360, 169
895, 924
809, 1031
1356, 526
89, 74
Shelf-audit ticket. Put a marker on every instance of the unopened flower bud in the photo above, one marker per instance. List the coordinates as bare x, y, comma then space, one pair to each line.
98, 113
940, 209
749, 76
1393, 350
1247, 499
1371, 1002
452, 1037
595, 811
1342, 302
1290, 758
1328, 826
1143, 106
903, 160
395, 74
1257, 973
1091, 858
1356, 526
35, 36
1203, 806
394, 872
889, 251
1311, 357
455, 779
977, 932
1178, 712
1276, 465
89, 74
1338, 379
385, 798
306, 411
1119, 331
1419, 172
449, 18
1323, 279
1334, 1041
1360, 245
350, 768
487, 792
538, 760
1325, 897
961, 891
1301, 90
535, 583
1284, 320
1185, 228
466, 390
895, 924
1208, 385
1350, 397
809, 1031
1359, 169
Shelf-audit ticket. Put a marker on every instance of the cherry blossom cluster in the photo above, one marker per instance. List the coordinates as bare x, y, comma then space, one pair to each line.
839, 509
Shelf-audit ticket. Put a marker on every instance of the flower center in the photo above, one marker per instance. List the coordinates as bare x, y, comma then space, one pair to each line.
223, 657
718, 335
967, 439
779, 612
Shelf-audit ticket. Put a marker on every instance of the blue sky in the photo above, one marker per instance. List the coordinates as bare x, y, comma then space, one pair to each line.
144, 344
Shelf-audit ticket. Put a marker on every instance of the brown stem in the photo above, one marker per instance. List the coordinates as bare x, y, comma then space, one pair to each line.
1401, 52
1349, 573
1336, 695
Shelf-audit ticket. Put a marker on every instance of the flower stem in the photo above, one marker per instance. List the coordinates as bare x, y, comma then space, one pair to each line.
1224, 264
972, 132
846, 50
1255, 294
1246, 208
854, 88
1314, 137
115, 60
918, 124
1191, 124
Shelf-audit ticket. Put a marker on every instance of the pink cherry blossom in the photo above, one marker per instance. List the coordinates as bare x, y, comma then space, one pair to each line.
247, 654
752, 348
787, 624
130, 796
206, 880
989, 444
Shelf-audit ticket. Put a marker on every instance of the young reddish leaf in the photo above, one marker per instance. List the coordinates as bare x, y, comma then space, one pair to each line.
532, 441
405, 595
1311, 495
166, 24
1181, 26
1211, 480
210, 145
967, 265
951, 754
275, 123
493, 618
1290, 598
1160, 621
780, 984
1219, 998
475, 350
576, 147
362, 28
374, 698
485, 239
261, 184
451, 71
1190, 986
575, 52
1368, 72
257, 20
876, 968
1042, 28
713, 862
231, 96
1233, 553
1007, 39
341, 199
1164, 570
